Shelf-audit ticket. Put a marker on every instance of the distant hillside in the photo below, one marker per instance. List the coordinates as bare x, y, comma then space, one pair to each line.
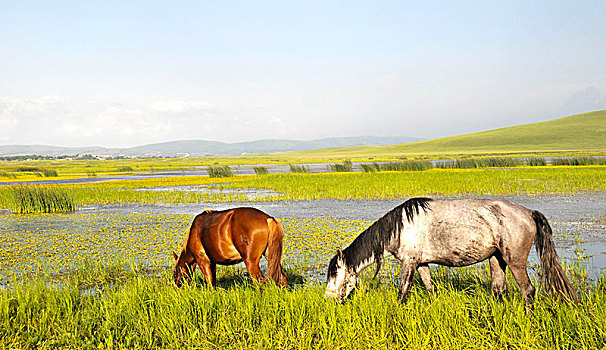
578, 132
198, 148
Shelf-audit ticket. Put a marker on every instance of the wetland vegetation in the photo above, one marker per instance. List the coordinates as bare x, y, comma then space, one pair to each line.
97, 279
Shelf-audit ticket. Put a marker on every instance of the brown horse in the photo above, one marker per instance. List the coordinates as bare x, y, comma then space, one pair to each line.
228, 237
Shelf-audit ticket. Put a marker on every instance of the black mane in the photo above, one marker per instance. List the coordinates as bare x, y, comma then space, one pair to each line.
373, 240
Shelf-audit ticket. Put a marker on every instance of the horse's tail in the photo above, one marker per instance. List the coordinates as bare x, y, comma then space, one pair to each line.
274, 253
553, 276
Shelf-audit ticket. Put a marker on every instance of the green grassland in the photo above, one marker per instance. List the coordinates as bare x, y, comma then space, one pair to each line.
585, 133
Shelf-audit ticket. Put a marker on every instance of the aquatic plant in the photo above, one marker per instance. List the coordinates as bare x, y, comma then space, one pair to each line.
370, 168
476, 163
406, 166
41, 199
260, 170
220, 171
49, 173
298, 168
346, 166
535, 161
576, 161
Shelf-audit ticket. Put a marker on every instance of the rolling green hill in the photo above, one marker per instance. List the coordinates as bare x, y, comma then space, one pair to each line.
585, 131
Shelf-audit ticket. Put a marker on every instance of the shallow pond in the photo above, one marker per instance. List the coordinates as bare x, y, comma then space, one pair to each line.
313, 230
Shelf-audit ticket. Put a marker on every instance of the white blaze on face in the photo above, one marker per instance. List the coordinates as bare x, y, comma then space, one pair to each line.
336, 279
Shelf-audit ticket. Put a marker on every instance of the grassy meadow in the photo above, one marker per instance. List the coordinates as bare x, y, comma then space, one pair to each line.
549, 137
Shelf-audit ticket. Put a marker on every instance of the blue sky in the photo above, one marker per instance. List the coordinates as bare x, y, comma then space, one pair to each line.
117, 74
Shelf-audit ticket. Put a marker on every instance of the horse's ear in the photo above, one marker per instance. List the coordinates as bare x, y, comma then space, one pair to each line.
340, 253
175, 256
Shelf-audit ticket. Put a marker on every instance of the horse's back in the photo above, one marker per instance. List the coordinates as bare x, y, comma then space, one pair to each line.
228, 235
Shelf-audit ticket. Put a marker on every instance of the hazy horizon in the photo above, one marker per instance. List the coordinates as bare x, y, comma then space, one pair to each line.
117, 75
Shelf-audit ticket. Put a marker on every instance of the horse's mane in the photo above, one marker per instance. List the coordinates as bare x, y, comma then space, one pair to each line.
372, 242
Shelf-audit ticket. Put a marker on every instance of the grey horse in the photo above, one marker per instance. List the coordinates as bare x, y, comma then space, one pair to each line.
422, 231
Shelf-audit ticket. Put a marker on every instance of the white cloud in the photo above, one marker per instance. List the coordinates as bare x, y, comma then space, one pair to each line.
18, 108
179, 106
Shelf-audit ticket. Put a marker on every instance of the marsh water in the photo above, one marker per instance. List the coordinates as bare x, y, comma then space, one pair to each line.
578, 222
313, 230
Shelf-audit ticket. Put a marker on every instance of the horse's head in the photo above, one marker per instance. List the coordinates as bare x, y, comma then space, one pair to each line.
340, 279
181, 270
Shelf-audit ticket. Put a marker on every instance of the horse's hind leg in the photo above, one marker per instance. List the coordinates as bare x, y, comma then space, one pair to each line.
213, 273
497, 273
521, 275
252, 265
425, 274
407, 272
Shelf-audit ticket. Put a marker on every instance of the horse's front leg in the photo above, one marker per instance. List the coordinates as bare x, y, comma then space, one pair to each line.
407, 272
425, 274
208, 269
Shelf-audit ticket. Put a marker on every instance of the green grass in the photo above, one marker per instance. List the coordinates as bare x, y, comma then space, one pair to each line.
347, 185
147, 311
578, 132
435, 182
39, 199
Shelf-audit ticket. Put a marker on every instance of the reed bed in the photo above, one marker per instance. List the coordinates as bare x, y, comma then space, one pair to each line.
10, 175
481, 163
261, 170
576, 161
406, 166
346, 166
220, 171
298, 168
40, 199
370, 168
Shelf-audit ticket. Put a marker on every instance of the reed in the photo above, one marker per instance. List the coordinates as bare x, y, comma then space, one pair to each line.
41, 199
406, 166
480, 163
535, 161
49, 173
10, 175
220, 171
370, 168
298, 168
260, 170
346, 166
577, 161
